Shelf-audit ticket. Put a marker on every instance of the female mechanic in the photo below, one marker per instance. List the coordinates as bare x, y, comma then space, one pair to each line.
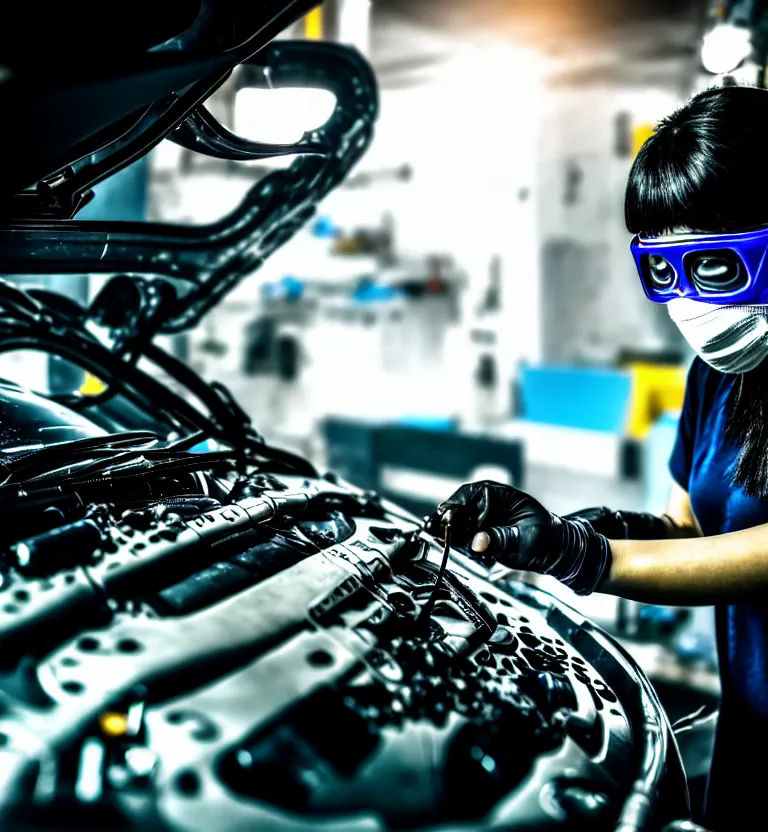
697, 201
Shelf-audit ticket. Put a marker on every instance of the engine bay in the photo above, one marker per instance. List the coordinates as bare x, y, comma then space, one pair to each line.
249, 651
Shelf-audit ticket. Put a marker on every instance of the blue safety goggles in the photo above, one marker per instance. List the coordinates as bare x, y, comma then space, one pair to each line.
714, 268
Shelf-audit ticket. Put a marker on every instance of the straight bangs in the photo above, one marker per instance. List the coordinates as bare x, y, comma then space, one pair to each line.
705, 168
665, 193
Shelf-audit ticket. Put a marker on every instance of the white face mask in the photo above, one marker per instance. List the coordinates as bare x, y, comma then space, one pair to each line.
732, 339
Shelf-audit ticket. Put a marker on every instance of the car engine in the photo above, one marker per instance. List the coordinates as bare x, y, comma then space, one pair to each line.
232, 651
200, 631
203, 635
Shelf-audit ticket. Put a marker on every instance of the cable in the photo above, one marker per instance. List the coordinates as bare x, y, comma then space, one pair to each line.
231, 423
186, 464
115, 459
187, 442
193, 383
144, 391
61, 452
426, 610
79, 347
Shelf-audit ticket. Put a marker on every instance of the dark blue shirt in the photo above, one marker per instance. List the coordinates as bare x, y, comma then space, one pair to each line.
702, 463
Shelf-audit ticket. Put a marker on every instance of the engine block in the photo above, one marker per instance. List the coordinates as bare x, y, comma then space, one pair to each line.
265, 665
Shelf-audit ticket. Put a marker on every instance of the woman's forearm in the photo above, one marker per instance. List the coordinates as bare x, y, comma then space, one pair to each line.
690, 572
676, 529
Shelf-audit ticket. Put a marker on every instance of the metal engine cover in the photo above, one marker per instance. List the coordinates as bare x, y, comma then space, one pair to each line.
287, 682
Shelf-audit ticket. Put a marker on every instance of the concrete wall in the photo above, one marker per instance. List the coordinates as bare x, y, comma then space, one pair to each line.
592, 302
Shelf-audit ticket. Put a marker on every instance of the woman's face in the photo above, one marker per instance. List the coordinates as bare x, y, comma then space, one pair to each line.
731, 338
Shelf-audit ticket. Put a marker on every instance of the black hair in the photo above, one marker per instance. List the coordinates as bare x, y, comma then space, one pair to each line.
706, 168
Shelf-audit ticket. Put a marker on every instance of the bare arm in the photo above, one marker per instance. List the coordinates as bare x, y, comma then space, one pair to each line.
680, 512
690, 570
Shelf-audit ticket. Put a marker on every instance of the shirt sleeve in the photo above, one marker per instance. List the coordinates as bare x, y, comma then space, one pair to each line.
681, 460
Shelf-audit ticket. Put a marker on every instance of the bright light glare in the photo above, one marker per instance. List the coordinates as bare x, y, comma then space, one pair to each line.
281, 116
725, 47
355, 24
23, 555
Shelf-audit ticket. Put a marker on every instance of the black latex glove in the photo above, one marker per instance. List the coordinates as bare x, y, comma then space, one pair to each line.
501, 523
620, 525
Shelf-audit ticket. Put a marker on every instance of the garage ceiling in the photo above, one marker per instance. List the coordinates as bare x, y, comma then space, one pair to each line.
641, 42
552, 24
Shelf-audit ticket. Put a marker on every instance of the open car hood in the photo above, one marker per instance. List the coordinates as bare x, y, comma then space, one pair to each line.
113, 108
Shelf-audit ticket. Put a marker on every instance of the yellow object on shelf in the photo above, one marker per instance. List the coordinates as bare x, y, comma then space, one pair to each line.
92, 386
113, 724
656, 388
313, 24
640, 135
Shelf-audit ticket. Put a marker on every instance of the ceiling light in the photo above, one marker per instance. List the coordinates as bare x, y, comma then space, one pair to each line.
725, 47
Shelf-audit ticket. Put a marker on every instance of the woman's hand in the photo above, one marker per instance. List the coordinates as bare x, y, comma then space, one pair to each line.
501, 523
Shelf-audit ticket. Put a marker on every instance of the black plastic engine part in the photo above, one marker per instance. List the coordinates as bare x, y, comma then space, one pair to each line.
61, 548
